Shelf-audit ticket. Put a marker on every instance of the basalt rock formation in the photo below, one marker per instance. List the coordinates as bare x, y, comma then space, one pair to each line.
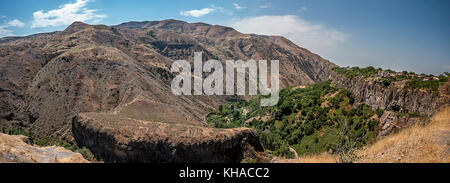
13, 149
395, 99
47, 79
120, 139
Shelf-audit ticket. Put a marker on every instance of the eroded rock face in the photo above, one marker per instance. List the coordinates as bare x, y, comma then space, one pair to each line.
394, 99
120, 139
14, 150
391, 122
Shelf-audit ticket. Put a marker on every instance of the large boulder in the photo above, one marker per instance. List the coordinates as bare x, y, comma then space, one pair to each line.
13, 149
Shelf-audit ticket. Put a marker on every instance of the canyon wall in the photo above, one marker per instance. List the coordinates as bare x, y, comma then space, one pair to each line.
395, 100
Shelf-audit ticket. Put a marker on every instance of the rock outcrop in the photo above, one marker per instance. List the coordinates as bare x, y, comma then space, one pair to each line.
115, 138
393, 99
391, 121
13, 149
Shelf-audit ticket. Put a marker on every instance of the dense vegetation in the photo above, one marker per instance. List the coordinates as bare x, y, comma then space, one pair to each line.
356, 71
415, 81
313, 119
48, 141
433, 85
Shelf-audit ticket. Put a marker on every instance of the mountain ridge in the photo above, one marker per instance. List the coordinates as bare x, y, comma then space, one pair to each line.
48, 79
103, 82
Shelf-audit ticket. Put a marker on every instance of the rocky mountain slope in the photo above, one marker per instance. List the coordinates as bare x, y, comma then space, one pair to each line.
48, 79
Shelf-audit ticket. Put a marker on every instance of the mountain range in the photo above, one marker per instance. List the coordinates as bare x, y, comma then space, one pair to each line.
105, 92
49, 79
46, 79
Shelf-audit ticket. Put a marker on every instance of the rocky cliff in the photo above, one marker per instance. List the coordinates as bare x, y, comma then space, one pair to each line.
116, 138
402, 106
394, 97
14, 149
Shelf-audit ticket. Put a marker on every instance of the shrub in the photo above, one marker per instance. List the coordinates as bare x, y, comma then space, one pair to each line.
87, 154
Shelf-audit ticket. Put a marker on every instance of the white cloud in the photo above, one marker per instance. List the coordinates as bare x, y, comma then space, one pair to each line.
66, 14
4, 29
15, 23
5, 32
313, 36
237, 6
197, 13
264, 6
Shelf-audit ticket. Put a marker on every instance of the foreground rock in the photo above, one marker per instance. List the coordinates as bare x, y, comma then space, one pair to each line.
115, 138
14, 150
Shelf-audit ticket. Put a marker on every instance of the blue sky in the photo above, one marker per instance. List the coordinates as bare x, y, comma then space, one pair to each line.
411, 35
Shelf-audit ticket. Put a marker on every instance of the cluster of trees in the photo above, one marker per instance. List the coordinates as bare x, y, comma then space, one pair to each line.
356, 71
432, 85
306, 119
414, 80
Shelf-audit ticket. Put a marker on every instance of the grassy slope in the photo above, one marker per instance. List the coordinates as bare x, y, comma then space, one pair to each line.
418, 144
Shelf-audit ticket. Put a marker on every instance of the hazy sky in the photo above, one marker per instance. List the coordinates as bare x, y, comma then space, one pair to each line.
408, 35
